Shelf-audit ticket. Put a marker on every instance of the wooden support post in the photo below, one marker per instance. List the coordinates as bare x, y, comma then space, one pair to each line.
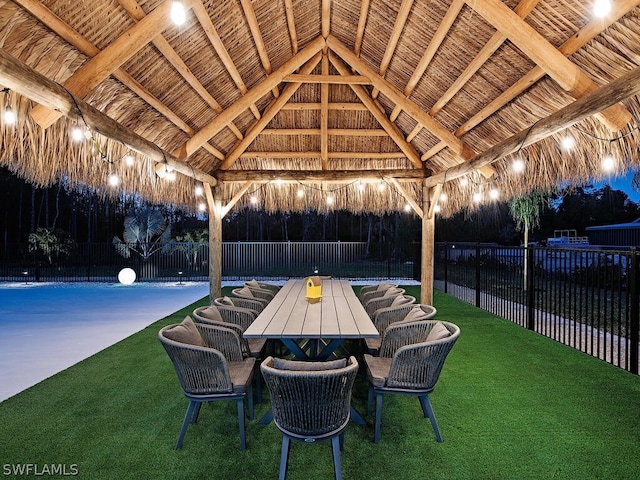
428, 247
215, 242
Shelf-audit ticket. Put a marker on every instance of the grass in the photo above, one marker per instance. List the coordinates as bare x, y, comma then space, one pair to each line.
511, 404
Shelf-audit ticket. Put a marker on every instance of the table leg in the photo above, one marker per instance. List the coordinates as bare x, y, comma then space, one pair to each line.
295, 349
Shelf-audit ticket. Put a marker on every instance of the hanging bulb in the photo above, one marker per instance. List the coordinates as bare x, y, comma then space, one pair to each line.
329, 200
77, 134
9, 116
199, 190
464, 181
567, 143
407, 207
202, 207
300, 193
436, 209
601, 8
608, 163
518, 165
129, 160
443, 197
477, 197
494, 194
113, 180
178, 15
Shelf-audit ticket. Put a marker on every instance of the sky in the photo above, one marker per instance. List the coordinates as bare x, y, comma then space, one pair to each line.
621, 183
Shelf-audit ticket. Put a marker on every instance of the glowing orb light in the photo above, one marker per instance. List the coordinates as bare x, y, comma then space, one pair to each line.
127, 276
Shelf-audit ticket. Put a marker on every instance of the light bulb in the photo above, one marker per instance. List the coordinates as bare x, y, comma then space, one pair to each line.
300, 193
113, 180
199, 191
129, 160
171, 175
407, 207
464, 181
361, 187
518, 165
329, 200
254, 200
601, 8
178, 15
9, 116
436, 209
202, 207
608, 163
477, 197
77, 134
567, 143
443, 197
494, 194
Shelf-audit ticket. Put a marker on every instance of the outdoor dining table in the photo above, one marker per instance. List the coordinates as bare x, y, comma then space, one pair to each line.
313, 331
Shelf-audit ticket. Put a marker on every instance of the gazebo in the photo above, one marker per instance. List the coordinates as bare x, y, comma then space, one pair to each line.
370, 106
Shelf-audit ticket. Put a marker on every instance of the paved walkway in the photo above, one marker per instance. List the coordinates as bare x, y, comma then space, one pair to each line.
46, 328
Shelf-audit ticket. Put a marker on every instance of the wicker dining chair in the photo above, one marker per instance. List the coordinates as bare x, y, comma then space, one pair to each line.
252, 294
311, 402
263, 285
390, 290
378, 287
210, 367
248, 303
388, 300
412, 370
384, 317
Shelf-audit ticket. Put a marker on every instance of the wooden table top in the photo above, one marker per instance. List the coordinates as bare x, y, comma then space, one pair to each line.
339, 314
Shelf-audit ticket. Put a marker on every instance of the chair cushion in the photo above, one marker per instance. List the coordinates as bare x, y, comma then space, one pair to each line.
438, 332
211, 313
282, 364
414, 315
378, 369
185, 332
383, 286
246, 292
241, 374
226, 301
399, 300
252, 283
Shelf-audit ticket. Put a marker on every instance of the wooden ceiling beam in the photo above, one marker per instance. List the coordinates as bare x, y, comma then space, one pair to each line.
136, 12
618, 10
362, 22
390, 127
331, 155
252, 96
344, 132
454, 143
270, 112
237, 176
96, 69
522, 10
584, 107
324, 111
347, 106
407, 196
326, 18
325, 78
398, 26
291, 25
27, 82
212, 34
566, 74
432, 48
252, 21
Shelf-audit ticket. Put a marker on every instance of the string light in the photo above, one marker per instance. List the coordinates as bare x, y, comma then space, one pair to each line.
568, 143
129, 160
77, 134
518, 165
202, 207
407, 207
464, 181
9, 116
199, 190
437, 209
329, 200
477, 197
443, 197
494, 194
113, 180
601, 8
178, 14
608, 163
300, 193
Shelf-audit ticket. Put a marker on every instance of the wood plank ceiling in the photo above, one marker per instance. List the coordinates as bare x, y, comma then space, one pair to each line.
296, 101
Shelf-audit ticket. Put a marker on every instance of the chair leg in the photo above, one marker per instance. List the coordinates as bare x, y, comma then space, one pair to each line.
193, 406
243, 440
341, 436
250, 397
428, 412
284, 457
376, 435
196, 413
258, 376
337, 464
369, 400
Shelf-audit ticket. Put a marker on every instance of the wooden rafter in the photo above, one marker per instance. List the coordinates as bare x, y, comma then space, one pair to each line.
96, 69
344, 132
136, 12
432, 48
347, 106
326, 18
244, 189
337, 176
584, 107
252, 96
401, 19
362, 22
252, 20
325, 78
406, 194
331, 155
572, 45
324, 112
267, 116
567, 74
390, 127
291, 24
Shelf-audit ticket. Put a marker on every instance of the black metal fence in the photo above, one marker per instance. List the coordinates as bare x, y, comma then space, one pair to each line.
91, 262
585, 298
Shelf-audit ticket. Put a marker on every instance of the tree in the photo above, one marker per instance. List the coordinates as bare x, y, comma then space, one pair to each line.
51, 243
525, 210
145, 233
191, 243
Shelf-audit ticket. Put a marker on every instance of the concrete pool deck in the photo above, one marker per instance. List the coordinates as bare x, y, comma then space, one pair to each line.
49, 327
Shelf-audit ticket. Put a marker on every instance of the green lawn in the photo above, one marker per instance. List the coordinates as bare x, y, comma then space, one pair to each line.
510, 404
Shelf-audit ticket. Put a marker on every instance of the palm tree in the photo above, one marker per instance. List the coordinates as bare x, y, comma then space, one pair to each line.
191, 243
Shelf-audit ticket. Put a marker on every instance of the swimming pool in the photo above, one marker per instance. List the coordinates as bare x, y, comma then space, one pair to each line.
47, 327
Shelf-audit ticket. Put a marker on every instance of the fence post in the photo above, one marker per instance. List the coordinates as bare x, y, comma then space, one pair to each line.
477, 275
634, 313
530, 288
446, 267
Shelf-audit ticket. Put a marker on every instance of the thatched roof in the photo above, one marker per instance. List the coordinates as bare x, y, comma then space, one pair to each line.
295, 101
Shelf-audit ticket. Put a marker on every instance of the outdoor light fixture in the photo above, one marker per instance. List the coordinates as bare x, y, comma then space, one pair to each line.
477, 197
436, 209
601, 8
8, 116
329, 200
163, 170
494, 194
113, 180
300, 193
464, 181
608, 163
77, 134
202, 207
361, 186
254, 200
127, 276
567, 143
443, 197
407, 207
129, 160
199, 190
178, 15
